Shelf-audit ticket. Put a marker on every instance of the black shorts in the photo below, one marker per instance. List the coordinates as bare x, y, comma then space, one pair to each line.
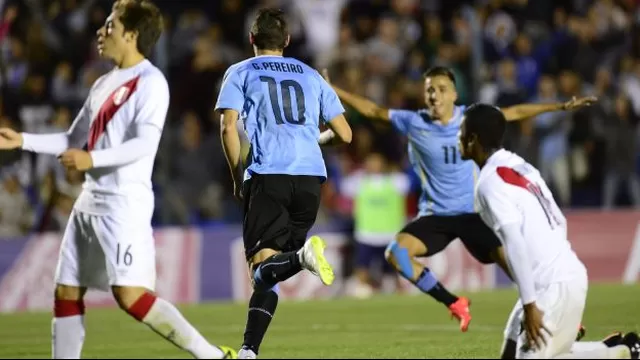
436, 232
279, 210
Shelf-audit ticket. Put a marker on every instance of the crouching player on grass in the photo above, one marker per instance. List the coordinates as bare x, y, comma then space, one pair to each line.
515, 202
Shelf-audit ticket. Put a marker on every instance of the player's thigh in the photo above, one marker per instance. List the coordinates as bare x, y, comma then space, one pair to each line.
129, 248
81, 260
425, 236
266, 218
303, 208
563, 306
477, 237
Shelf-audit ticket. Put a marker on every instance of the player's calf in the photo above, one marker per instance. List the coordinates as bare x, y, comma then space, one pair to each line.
67, 326
163, 318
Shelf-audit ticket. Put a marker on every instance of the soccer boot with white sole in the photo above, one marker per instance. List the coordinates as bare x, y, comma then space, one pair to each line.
312, 259
246, 354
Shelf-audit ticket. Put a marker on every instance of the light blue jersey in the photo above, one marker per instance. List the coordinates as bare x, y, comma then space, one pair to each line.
447, 180
281, 101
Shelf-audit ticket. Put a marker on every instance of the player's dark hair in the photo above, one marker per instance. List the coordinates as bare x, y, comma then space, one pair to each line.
487, 122
270, 30
145, 19
440, 71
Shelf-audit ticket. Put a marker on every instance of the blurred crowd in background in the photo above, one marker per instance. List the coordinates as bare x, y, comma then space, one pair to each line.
502, 52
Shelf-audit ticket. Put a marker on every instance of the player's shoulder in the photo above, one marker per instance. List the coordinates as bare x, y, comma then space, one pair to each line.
153, 79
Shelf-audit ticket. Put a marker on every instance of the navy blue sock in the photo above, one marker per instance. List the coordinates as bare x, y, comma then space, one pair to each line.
428, 284
275, 269
262, 307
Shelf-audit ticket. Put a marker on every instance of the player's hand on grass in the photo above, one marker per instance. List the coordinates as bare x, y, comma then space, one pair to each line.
534, 326
76, 159
578, 102
10, 139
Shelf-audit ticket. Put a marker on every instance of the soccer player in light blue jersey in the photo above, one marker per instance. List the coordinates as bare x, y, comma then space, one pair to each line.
281, 102
446, 207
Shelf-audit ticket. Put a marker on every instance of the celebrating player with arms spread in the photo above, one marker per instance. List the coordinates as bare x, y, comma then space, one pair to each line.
446, 209
281, 101
108, 242
515, 203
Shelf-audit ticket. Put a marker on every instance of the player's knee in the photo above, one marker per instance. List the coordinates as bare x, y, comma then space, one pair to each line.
71, 293
68, 301
399, 257
126, 297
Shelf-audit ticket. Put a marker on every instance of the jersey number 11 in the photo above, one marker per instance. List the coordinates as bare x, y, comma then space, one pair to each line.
450, 154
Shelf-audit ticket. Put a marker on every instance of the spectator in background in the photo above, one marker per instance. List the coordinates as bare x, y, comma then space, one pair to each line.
551, 131
379, 210
621, 136
16, 214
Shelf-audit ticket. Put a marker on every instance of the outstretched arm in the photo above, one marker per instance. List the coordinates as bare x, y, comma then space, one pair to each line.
525, 111
362, 105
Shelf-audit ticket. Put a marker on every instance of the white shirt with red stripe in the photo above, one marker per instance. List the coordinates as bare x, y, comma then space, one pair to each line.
120, 124
514, 200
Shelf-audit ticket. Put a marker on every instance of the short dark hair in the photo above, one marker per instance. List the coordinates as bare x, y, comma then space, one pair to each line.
145, 19
440, 71
270, 29
487, 122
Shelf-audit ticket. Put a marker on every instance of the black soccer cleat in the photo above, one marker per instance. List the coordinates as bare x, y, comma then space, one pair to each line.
614, 339
633, 342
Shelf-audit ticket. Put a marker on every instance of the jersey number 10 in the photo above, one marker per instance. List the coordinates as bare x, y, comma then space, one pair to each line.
285, 107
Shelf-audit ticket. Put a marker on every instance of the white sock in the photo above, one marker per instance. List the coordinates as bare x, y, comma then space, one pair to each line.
582, 346
167, 321
67, 337
616, 352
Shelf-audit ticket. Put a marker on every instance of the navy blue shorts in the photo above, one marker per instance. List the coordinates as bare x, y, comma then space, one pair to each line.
368, 255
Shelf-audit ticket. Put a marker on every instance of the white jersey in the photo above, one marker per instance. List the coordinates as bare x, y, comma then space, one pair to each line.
120, 124
511, 192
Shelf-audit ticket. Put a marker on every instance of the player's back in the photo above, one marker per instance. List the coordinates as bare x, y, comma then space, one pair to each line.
282, 108
543, 225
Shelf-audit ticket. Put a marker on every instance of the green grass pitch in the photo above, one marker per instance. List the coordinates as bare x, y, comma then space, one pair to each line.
381, 327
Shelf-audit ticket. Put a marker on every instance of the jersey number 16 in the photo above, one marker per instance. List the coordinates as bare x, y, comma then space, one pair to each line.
285, 89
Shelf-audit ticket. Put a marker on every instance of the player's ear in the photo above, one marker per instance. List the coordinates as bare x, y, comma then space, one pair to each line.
251, 39
286, 42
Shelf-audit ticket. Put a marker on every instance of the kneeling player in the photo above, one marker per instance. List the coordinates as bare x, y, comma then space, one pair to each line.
516, 204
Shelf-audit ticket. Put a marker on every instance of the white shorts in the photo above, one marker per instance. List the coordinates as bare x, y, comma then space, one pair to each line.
99, 251
563, 305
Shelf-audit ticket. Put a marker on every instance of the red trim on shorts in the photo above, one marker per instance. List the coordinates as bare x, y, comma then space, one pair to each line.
66, 308
141, 307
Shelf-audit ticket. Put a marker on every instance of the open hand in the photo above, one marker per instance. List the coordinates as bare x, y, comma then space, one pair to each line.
578, 102
534, 326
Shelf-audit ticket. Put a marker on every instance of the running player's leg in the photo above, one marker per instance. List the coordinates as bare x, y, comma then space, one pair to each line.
67, 326
128, 245
272, 253
425, 236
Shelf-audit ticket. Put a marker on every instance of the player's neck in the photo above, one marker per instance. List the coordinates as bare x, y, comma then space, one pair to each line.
446, 117
258, 52
484, 157
130, 60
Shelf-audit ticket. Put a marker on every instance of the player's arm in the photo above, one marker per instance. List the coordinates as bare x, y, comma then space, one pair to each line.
362, 105
229, 104
151, 105
332, 111
53, 144
231, 141
507, 220
525, 111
